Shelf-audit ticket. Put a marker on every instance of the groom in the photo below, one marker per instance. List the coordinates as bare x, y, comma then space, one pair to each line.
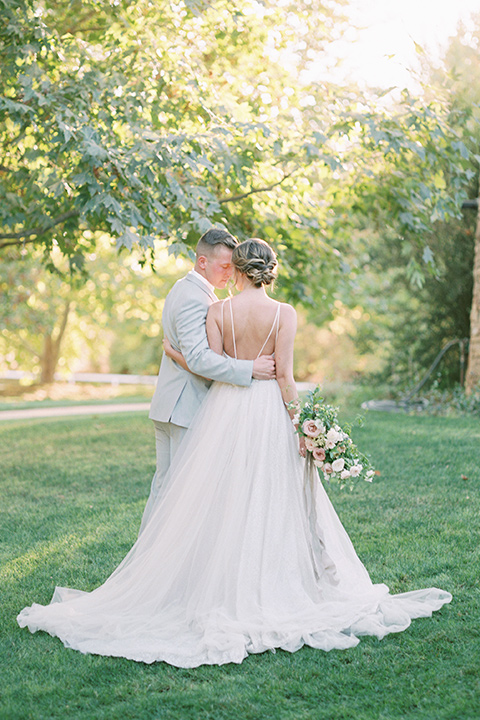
179, 393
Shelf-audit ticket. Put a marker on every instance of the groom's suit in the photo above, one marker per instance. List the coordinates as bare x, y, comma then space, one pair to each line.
179, 393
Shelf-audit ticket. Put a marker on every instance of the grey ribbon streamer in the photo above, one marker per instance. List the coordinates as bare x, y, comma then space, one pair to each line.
323, 564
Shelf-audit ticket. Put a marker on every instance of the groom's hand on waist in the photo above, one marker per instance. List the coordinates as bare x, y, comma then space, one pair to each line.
264, 368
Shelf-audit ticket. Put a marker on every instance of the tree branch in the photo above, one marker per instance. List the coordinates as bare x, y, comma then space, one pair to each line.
16, 242
83, 21
20, 343
256, 190
20, 237
21, 134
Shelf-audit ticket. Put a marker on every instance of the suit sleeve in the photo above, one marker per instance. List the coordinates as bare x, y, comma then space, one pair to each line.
192, 338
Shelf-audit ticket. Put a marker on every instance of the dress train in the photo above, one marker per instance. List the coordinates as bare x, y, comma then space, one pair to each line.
243, 553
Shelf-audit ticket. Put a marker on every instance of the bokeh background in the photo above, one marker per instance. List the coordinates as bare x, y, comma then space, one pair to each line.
343, 132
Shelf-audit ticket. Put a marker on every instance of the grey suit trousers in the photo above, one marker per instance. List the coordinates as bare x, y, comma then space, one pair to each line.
168, 437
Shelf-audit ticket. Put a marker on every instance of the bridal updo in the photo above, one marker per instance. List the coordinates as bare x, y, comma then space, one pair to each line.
256, 260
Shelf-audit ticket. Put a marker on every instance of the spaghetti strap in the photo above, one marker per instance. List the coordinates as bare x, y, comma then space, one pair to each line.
233, 330
275, 322
223, 303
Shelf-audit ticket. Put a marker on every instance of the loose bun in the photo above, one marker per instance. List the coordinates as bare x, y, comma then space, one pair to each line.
256, 260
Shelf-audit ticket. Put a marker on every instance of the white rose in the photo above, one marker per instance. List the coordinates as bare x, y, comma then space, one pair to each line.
338, 465
333, 436
355, 470
344, 474
310, 444
320, 426
329, 444
318, 463
370, 473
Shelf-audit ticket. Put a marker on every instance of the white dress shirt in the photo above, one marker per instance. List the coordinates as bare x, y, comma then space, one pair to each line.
204, 280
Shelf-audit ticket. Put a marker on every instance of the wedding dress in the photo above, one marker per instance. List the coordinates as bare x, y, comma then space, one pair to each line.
243, 553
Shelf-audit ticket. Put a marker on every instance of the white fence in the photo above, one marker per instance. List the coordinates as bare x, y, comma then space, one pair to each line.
106, 378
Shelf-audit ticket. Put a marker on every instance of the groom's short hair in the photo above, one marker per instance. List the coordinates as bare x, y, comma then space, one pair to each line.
213, 237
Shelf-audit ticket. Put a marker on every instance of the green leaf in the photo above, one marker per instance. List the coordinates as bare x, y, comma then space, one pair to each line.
427, 256
127, 239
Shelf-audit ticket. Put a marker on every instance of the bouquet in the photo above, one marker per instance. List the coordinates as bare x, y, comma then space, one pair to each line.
329, 446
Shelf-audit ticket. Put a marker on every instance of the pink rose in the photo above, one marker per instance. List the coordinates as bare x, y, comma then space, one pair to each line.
318, 453
310, 444
327, 468
310, 428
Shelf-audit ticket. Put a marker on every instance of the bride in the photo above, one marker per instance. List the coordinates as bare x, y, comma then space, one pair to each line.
243, 551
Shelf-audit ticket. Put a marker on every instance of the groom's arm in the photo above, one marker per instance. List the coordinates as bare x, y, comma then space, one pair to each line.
200, 359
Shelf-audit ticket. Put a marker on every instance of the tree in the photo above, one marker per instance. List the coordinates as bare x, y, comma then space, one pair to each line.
34, 312
108, 321
406, 326
410, 324
473, 368
463, 59
153, 120
462, 80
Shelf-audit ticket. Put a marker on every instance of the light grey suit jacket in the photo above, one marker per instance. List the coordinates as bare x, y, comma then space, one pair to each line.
179, 393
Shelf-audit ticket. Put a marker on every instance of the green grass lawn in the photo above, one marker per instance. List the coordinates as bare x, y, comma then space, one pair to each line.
72, 494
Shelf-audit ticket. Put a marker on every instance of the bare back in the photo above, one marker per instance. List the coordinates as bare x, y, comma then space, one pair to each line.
260, 326
249, 326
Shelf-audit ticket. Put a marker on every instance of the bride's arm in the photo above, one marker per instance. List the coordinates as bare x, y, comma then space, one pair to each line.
175, 355
284, 363
214, 332
284, 355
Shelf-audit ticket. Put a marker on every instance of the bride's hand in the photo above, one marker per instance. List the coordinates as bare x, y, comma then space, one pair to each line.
302, 449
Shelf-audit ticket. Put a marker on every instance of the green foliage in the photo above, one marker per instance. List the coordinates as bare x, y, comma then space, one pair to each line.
109, 321
408, 325
450, 402
150, 120
72, 497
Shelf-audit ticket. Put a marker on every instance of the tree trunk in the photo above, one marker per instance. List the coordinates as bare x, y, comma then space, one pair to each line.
473, 369
48, 361
51, 348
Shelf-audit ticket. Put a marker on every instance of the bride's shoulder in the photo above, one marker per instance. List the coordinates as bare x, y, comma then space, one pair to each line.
287, 318
215, 309
287, 311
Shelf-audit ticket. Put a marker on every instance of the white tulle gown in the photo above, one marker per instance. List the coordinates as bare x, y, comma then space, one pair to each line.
243, 553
